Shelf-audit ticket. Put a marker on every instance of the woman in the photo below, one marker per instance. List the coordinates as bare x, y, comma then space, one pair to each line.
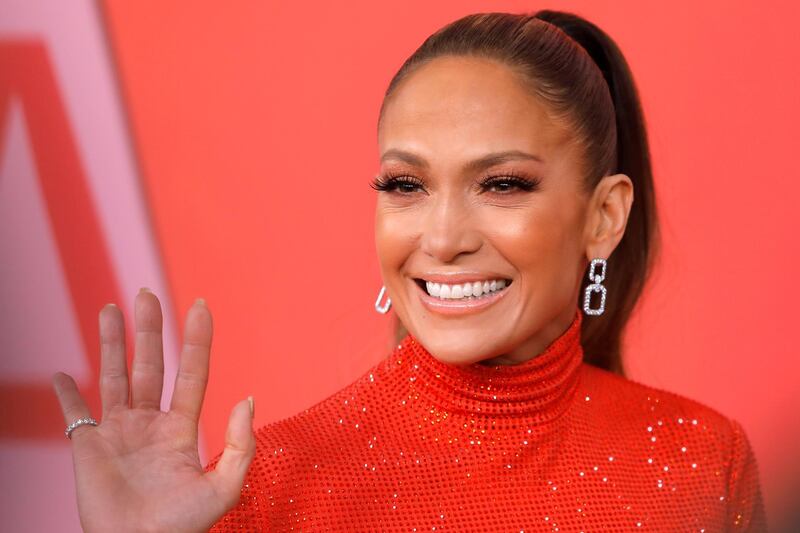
511, 148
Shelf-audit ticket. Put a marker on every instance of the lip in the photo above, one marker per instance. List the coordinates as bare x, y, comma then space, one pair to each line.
457, 307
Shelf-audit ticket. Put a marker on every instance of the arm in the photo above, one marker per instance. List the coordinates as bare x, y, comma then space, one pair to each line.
745, 502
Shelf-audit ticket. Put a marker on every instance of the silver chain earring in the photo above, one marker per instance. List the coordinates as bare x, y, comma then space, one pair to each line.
383, 309
595, 286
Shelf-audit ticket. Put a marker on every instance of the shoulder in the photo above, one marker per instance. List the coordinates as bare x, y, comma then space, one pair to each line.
686, 441
329, 418
663, 423
306, 449
646, 403
292, 446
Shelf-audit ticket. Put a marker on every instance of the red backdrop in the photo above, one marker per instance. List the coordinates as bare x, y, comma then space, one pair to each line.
253, 134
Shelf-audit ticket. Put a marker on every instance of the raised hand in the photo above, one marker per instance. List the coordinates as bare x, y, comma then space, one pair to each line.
139, 469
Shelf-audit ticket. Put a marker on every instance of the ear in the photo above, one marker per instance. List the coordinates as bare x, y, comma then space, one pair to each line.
607, 218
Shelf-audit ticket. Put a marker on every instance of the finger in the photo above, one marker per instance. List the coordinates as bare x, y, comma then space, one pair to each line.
147, 368
113, 366
72, 404
192, 378
240, 447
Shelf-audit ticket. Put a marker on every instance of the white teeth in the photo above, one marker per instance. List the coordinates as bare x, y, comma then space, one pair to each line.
477, 288
465, 290
444, 291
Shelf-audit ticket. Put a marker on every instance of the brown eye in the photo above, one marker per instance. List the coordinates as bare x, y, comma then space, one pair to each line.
501, 186
401, 184
507, 184
406, 186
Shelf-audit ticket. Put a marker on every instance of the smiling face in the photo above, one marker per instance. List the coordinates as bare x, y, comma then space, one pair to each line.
481, 190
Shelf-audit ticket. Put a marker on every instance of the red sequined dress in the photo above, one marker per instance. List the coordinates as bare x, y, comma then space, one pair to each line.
552, 444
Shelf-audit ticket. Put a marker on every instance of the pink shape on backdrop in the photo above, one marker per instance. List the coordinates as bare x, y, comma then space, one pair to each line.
34, 293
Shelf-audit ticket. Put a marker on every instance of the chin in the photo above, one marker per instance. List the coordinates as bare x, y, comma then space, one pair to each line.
459, 348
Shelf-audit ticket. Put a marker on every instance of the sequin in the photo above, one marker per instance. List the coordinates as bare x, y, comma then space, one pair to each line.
415, 444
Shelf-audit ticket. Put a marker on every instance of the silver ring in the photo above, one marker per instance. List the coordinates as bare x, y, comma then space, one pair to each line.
79, 422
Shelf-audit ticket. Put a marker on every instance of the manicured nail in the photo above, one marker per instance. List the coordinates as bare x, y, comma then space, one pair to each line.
200, 301
144, 289
252, 406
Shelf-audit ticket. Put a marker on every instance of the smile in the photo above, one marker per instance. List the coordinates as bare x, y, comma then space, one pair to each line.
461, 298
460, 291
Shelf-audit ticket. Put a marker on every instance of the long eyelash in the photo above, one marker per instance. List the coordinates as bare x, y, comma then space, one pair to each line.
511, 176
390, 182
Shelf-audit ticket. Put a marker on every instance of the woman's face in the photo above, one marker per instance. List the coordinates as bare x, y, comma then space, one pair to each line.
483, 191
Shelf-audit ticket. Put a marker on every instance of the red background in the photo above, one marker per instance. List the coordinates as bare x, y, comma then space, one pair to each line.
255, 129
253, 132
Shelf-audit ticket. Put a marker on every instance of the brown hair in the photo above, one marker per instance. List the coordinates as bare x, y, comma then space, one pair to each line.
580, 73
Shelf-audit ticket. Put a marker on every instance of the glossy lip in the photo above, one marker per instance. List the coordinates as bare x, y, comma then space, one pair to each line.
458, 307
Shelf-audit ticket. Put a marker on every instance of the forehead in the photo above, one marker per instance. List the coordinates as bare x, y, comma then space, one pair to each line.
467, 106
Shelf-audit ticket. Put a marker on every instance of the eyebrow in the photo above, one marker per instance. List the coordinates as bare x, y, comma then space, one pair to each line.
486, 161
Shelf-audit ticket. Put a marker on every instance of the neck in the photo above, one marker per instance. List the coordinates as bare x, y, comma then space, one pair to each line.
538, 389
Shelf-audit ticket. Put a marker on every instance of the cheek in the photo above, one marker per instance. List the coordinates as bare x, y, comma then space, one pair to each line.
392, 241
540, 243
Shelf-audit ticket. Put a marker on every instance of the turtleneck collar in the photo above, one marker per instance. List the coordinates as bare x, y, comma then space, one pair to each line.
539, 389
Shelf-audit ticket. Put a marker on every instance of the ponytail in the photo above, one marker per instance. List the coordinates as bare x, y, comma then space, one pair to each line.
630, 264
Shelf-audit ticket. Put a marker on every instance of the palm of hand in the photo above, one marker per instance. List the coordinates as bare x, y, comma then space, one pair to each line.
140, 469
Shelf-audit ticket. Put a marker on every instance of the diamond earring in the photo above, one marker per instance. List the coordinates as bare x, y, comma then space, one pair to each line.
383, 309
595, 286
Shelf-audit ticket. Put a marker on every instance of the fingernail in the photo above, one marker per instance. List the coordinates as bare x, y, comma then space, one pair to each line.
252, 406
144, 289
200, 301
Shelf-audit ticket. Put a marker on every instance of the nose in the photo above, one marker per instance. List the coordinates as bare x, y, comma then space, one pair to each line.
448, 229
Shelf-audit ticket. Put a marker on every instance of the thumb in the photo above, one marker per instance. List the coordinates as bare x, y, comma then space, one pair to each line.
240, 447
